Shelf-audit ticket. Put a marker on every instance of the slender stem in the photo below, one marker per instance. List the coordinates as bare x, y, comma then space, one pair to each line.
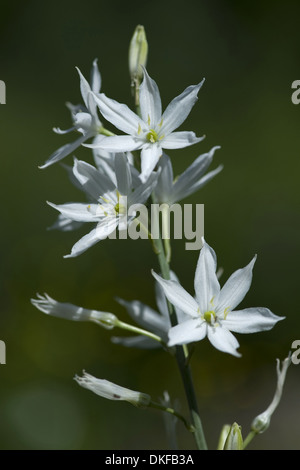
249, 438
172, 412
139, 331
181, 355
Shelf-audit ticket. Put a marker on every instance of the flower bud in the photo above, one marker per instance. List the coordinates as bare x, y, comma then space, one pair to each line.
111, 391
234, 440
138, 51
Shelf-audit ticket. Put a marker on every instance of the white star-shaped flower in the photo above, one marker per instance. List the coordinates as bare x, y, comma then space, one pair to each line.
212, 312
154, 130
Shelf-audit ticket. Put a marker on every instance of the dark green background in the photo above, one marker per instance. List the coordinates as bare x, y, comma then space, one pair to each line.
249, 54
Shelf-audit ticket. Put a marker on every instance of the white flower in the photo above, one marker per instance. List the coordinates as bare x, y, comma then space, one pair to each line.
158, 322
85, 118
153, 131
262, 421
193, 178
72, 312
111, 391
110, 195
212, 312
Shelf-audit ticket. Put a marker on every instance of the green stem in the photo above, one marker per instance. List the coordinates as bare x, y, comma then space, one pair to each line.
249, 438
139, 331
158, 406
181, 355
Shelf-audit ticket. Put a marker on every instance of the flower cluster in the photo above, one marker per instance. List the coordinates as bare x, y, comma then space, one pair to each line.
129, 171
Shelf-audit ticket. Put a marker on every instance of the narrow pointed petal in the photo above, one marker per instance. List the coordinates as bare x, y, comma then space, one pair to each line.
235, 289
179, 108
150, 101
140, 342
84, 87
145, 316
187, 332
222, 339
94, 183
251, 320
65, 150
192, 175
149, 158
123, 174
178, 140
178, 296
164, 187
60, 131
101, 232
141, 194
118, 143
206, 283
64, 224
95, 77
119, 114
80, 212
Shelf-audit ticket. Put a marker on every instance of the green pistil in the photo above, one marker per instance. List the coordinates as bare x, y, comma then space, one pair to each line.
210, 317
152, 136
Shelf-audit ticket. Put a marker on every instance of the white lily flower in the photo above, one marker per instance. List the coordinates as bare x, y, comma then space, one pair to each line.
170, 191
85, 118
212, 312
111, 391
111, 197
47, 305
153, 131
158, 322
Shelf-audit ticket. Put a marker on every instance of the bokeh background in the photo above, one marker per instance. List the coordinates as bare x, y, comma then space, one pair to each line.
249, 54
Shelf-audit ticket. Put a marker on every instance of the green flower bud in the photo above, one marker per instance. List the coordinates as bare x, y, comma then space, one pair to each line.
234, 439
138, 52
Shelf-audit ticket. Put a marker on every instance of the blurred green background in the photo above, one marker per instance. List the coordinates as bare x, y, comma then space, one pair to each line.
249, 54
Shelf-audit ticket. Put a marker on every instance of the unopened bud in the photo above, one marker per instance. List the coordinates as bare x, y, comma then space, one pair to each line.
234, 440
138, 51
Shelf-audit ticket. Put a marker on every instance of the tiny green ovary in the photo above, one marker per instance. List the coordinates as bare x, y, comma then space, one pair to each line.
152, 136
210, 317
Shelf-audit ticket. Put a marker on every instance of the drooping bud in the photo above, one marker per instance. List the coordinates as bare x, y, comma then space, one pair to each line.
262, 421
138, 52
111, 391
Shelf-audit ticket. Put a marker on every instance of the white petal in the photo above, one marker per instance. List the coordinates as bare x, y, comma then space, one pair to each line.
149, 157
178, 140
235, 289
84, 87
123, 174
178, 296
143, 191
140, 342
206, 284
79, 212
145, 316
65, 150
222, 339
164, 187
187, 332
119, 114
64, 224
99, 233
179, 108
92, 181
118, 143
150, 101
251, 320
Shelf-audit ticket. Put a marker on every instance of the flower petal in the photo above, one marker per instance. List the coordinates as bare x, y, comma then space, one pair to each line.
187, 332
251, 320
178, 140
78, 211
206, 283
92, 181
119, 114
102, 231
222, 339
150, 102
65, 150
179, 108
95, 77
235, 289
164, 187
149, 157
117, 143
178, 296
123, 174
